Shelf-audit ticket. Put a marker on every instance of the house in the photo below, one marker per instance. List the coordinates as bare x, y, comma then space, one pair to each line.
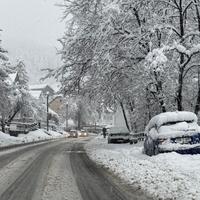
110, 118
118, 118
57, 105
40, 91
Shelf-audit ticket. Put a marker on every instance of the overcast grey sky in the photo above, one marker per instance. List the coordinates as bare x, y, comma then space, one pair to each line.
30, 24
31, 20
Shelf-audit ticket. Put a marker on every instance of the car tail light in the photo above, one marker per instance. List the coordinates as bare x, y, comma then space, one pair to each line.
160, 141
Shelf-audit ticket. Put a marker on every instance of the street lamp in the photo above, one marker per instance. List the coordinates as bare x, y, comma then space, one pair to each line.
47, 111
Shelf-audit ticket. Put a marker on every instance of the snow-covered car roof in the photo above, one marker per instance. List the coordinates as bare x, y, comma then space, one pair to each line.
163, 118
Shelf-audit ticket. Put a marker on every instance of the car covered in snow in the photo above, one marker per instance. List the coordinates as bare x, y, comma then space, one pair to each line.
172, 131
118, 134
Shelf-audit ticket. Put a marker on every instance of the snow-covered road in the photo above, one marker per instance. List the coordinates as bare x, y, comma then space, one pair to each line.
38, 172
58, 170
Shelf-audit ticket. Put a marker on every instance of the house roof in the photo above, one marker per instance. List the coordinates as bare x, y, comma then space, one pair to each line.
38, 86
36, 94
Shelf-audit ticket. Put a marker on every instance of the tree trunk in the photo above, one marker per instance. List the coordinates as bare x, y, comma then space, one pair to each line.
197, 105
124, 114
179, 92
160, 94
3, 124
181, 70
67, 117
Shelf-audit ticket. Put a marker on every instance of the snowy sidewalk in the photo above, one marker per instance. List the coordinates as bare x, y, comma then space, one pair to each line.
165, 176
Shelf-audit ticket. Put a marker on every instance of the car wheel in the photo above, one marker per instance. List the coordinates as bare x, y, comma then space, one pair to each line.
131, 141
149, 146
156, 150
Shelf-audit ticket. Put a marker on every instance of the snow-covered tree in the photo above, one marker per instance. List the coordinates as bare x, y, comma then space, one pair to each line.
21, 83
4, 87
137, 54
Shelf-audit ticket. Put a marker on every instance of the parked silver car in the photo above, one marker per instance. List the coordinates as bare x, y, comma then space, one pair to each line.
118, 134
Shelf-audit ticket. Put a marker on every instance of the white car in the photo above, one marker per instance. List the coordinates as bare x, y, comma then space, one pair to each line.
172, 131
118, 134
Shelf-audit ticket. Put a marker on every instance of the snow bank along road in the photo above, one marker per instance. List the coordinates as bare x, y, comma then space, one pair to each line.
58, 170
167, 176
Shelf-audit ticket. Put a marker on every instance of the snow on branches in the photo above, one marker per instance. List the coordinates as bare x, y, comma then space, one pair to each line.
128, 51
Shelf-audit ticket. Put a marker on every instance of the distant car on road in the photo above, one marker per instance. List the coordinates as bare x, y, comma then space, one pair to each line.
172, 131
83, 133
73, 134
118, 134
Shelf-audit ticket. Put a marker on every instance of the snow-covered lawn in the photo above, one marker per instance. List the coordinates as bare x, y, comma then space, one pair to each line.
165, 176
40, 134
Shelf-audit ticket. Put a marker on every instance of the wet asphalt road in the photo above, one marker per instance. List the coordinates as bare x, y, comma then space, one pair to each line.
58, 170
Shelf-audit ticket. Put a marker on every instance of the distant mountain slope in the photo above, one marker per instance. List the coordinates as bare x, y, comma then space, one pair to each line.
35, 56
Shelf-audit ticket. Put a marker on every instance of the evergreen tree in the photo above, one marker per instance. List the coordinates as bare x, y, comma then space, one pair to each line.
21, 83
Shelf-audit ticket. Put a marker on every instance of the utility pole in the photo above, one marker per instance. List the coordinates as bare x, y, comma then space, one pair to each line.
67, 116
79, 115
47, 111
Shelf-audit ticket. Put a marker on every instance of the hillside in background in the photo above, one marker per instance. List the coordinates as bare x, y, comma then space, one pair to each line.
36, 57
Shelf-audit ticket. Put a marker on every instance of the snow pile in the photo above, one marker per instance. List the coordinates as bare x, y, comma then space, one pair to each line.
6, 139
165, 176
38, 135
55, 134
